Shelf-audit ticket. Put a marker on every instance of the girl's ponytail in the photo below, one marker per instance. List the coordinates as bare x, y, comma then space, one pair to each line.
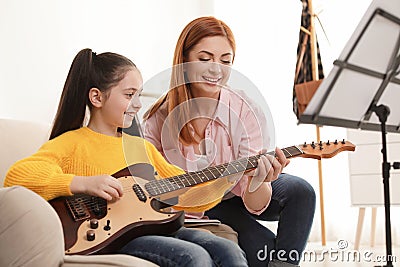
71, 110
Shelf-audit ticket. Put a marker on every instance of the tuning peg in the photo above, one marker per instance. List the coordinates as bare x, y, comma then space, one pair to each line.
320, 143
327, 143
343, 142
305, 144
336, 142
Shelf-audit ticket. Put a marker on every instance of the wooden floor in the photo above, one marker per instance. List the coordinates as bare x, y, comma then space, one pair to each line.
342, 254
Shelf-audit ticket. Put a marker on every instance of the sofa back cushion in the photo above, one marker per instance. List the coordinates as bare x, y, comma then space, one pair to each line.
19, 139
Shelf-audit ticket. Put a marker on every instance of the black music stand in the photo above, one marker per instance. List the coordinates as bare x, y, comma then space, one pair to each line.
365, 80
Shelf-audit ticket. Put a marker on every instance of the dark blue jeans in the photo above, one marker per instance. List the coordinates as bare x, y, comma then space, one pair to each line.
189, 248
292, 204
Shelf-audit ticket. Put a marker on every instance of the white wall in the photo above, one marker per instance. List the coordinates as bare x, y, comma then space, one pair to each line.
40, 38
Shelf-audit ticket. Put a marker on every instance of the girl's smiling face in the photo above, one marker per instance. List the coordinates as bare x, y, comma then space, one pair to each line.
117, 107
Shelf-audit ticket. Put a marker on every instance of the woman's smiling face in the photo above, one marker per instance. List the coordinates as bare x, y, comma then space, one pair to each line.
208, 65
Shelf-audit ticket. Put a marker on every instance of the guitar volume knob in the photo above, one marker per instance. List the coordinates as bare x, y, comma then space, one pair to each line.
90, 235
94, 223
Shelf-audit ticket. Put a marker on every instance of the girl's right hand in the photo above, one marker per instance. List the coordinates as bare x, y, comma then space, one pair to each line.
104, 186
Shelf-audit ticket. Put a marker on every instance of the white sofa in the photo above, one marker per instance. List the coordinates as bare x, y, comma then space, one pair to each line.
30, 230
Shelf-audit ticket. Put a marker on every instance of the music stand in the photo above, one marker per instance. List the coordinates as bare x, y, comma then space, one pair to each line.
365, 80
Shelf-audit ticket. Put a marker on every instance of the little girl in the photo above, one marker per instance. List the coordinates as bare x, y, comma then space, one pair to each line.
80, 159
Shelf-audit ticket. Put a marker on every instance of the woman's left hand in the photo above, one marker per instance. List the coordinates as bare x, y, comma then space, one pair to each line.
268, 169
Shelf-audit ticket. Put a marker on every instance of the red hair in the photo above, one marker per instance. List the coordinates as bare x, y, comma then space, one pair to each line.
179, 92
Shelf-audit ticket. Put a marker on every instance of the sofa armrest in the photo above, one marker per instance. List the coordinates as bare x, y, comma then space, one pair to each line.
31, 235
30, 230
115, 260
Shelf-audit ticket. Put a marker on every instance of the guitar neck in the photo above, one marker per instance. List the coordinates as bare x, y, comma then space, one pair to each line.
163, 186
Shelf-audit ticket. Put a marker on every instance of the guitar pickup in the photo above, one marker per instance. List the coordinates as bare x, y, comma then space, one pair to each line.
98, 206
139, 192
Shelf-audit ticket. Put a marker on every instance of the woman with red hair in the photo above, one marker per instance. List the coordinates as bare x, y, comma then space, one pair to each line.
201, 122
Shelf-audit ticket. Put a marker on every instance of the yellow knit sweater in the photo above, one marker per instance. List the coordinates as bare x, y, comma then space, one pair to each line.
84, 152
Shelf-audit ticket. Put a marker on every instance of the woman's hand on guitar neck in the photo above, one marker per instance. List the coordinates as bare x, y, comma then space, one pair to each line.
104, 186
268, 169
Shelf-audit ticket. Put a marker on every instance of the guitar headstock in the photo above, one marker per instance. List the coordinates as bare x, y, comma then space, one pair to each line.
325, 149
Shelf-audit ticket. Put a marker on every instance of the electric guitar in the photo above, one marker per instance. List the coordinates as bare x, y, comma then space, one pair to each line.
93, 225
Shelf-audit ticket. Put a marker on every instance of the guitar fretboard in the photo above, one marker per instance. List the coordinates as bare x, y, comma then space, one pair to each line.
163, 186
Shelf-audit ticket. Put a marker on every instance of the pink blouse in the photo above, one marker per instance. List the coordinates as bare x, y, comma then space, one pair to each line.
237, 130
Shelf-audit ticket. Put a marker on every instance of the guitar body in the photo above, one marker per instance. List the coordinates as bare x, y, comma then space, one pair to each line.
134, 214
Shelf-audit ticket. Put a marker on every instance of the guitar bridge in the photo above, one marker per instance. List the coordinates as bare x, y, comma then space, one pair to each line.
78, 208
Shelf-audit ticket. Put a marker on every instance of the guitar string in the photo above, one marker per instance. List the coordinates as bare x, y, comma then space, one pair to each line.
238, 165
224, 167
221, 171
165, 184
92, 202
166, 188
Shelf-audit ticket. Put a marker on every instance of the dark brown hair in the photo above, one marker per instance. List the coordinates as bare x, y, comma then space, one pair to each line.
88, 70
